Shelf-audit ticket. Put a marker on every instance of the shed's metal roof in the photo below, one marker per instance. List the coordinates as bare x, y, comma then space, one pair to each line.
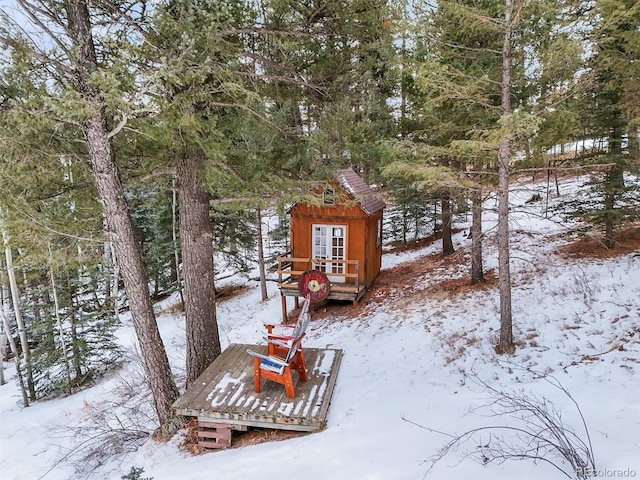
355, 186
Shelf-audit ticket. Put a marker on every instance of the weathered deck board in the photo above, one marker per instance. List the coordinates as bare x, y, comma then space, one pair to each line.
224, 392
336, 292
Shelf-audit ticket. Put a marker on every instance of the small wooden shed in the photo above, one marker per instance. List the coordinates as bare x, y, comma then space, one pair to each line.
340, 235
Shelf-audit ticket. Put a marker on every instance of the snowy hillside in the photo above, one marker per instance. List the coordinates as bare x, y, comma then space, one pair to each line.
417, 351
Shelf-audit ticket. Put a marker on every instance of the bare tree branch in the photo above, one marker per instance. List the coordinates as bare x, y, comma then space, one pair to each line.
539, 433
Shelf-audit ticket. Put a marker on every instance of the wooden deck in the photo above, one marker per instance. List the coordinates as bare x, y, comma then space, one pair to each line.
224, 392
345, 285
338, 291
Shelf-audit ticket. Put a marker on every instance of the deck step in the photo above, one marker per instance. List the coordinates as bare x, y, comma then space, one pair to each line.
214, 435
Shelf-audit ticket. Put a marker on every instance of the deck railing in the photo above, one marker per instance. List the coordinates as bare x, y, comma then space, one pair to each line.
348, 273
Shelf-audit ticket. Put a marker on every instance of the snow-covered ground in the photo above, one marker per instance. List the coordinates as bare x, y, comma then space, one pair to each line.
413, 365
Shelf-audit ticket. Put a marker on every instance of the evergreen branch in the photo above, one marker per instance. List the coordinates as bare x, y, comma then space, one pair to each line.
224, 201
300, 80
30, 10
475, 11
229, 169
42, 57
129, 20
49, 229
284, 33
121, 124
544, 169
290, 80
458, 46
518, 12
42, 113
316, 12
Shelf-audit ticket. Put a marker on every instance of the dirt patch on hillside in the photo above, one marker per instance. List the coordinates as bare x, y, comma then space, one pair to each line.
399, 247
230, 291
401, 281
627, 241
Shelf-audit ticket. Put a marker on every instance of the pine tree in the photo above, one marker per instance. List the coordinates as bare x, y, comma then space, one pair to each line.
610, 104
152, 217
82, 83
200, 86
344, 53
53, 220
505, 342
450, 100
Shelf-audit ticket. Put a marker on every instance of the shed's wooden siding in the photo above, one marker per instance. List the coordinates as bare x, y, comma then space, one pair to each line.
374, 249
356, 207
360, 230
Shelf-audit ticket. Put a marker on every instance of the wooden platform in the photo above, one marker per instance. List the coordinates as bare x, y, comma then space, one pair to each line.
224, 393
345, 285
338, 291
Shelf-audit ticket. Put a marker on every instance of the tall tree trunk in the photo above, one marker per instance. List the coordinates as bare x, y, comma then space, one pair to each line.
196, 237
477, 270
505, 344
609, 204
129, 257
17, 310
174, 237
77, 357
634, 143
405, 224
116, 211
56, 303
4, 338
106, 290
3, 353
447, 241
14, 350
613, 186
115, 291
548, 190
261, 269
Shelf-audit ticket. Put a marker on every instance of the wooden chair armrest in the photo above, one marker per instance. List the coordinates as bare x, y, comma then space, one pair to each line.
276, 341
270, 326
273, 364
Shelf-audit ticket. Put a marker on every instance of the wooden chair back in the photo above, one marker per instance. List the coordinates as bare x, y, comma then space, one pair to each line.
277, 365
300, 329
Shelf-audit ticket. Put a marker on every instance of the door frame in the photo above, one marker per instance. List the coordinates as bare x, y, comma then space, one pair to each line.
330, 247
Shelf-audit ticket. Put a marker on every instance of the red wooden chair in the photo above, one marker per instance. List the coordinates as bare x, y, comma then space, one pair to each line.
284, 353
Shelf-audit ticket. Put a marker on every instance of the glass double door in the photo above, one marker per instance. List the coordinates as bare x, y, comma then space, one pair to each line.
329, 243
